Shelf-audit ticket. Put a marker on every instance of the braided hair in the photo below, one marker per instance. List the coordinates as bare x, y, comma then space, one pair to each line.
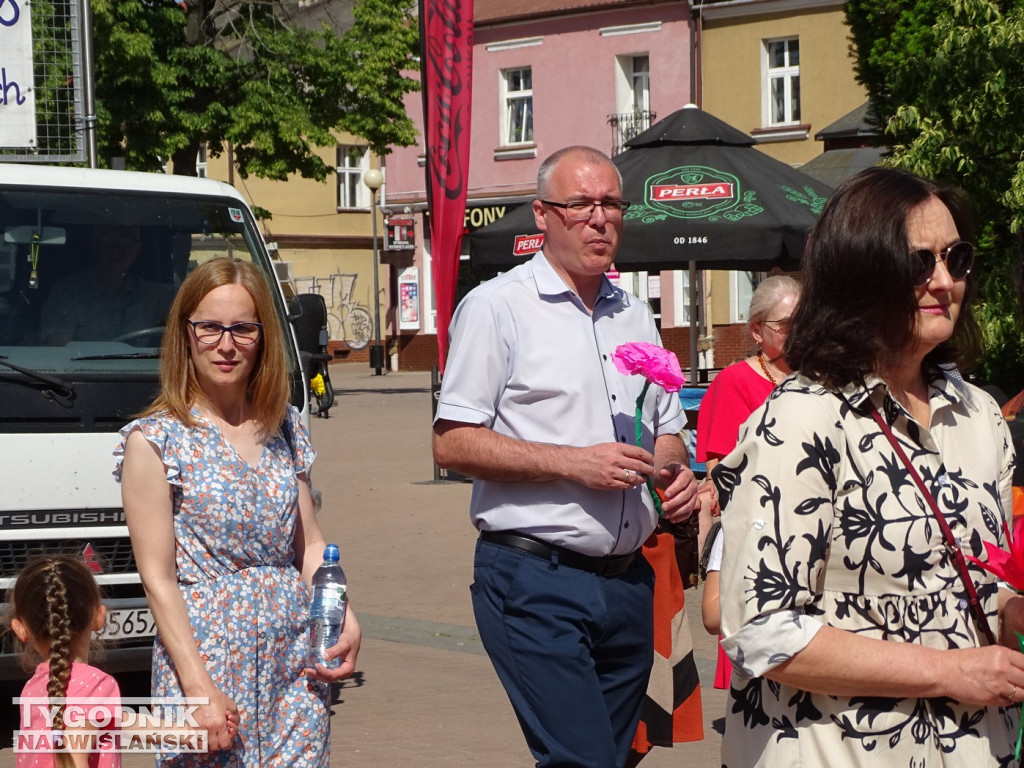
56, 598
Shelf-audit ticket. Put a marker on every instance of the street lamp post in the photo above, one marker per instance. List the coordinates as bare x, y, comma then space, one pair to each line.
373, 180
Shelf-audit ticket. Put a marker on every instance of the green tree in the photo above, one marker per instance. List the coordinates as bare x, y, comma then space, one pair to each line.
945, 77
264, 76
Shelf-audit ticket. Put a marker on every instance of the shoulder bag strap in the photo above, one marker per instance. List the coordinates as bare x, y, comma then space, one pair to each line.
980, 620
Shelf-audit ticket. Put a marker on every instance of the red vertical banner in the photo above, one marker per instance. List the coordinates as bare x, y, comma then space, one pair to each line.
446, 34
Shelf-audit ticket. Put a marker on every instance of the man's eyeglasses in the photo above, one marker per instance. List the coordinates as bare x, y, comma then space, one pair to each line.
209, 332
958, 257
582, 210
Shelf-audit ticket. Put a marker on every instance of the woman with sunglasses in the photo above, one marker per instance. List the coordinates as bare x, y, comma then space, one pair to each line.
847, 618
214, 482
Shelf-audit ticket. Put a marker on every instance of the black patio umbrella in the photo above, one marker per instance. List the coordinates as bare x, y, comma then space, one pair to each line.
702, 198
700, 193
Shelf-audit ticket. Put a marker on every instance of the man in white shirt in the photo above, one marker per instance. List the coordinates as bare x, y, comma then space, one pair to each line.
532, 407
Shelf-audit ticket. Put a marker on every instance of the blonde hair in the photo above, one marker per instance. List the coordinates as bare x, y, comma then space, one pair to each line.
268, 385
56, 598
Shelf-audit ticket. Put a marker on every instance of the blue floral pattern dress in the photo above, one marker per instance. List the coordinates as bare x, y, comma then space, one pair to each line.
233, 527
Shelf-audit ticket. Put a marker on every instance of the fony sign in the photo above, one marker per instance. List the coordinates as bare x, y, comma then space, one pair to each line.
477, 216
17, 92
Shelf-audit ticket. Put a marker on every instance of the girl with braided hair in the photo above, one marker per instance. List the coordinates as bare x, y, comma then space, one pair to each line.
55, 608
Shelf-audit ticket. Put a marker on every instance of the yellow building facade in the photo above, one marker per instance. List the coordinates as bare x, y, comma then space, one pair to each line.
779, 70
322, 233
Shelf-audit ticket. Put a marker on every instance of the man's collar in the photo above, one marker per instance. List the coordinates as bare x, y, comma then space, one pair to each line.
550, 283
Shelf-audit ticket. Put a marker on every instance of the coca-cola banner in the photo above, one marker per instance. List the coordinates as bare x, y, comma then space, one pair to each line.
446, 29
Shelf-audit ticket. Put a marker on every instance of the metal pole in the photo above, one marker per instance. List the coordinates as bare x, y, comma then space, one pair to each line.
378, 349
88, 84
694, 327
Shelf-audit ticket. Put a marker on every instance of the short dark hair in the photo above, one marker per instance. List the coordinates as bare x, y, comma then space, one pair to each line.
858, 310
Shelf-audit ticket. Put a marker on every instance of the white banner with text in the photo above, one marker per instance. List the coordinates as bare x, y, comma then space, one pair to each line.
17, 92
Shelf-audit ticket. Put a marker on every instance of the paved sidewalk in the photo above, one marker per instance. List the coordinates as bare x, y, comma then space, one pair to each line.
425, 694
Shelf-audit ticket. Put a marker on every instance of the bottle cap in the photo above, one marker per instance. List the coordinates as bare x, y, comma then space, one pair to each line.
331, 554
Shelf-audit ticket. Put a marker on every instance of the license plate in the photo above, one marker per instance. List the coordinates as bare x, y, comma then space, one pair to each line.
128, 622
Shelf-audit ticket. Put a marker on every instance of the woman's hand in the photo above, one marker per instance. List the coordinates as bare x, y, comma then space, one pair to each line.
346, 649
1011, 619
707, 497
219, 718
992, 676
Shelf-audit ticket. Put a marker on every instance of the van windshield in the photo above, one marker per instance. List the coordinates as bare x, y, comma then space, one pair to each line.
87, 278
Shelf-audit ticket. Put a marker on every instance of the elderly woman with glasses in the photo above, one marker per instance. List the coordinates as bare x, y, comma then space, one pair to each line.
858, 634
214, 482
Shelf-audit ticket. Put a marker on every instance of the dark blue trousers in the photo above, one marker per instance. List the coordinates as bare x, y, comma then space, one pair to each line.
573, 650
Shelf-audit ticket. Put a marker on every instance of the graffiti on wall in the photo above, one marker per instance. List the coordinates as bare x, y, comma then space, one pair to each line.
347, 319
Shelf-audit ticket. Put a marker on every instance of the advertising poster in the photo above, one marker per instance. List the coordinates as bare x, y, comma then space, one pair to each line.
17, 93
409, 299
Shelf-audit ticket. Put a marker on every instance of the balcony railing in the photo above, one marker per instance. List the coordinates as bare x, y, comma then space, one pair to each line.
628, 125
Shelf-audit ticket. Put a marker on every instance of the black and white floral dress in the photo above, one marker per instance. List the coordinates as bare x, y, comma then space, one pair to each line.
823, 525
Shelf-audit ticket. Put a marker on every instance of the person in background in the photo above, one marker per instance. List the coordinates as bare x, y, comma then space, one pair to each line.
846, 616
533, 408
731, 397
55, 607
214, 482
105, 300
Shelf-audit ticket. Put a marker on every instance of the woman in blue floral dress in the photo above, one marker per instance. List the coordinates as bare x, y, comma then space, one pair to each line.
214, 486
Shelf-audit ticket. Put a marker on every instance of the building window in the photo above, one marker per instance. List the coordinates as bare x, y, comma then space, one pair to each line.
782, 82
632, 99
353, 161
201, 162
640, 83
741, 289
517, 103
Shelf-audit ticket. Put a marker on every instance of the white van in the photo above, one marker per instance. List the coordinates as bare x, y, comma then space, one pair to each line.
79, 359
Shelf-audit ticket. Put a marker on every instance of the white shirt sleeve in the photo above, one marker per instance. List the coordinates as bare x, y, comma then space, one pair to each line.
715, 558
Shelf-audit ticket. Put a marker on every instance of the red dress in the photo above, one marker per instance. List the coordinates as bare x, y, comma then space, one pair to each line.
733, 395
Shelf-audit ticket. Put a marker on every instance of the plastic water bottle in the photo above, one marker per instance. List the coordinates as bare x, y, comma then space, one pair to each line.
327, 608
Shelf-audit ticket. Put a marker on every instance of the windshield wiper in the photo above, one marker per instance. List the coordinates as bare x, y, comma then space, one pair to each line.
122, 356
57, 390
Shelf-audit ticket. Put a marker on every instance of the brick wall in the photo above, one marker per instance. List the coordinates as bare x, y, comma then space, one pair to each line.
678, 340
417, 352
732, 342
338, 350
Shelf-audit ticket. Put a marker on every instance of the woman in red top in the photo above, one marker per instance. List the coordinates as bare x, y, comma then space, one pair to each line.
734, 394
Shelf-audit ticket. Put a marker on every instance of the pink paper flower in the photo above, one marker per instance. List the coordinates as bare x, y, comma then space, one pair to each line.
1008, 566
654, 363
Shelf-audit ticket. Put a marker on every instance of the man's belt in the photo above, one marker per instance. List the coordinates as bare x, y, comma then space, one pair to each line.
609, 565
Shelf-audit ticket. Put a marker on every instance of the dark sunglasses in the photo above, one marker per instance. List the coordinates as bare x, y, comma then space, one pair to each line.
958, 258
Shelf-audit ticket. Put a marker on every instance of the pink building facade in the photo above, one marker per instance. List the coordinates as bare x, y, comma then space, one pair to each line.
546, 74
